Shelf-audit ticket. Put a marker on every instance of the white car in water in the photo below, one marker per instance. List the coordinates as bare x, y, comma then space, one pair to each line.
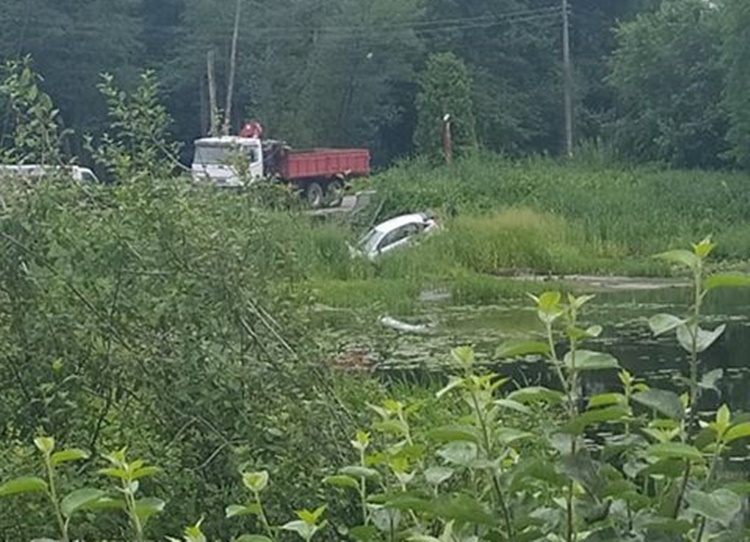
392, 234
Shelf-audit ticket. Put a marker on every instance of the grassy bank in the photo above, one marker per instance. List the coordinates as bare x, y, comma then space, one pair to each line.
615, 211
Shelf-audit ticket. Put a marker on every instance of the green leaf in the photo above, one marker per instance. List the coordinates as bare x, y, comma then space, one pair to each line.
508, 435
255, 481
579, 302
460, 453
45, 444
586, 360
114, 473
741, 430
729, 280
253, 538
723, 417
721, 505
513, 405
607, 399
682, 257
143, 472
72, 454
464, 509
79, 499
304, 530
665, 402
22, 485
341, 481
704, 248
522, 347
464, 355
537, 394
147, 507
548, 306
453, 383
614, 413
663, 323
360, 472
675, 450
549, 300
395, 427
234, 510
451, 433
704, 339
437, 475
710, 379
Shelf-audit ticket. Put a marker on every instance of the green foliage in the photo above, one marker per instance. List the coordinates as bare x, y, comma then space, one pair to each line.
174, 328
38, 133
445, 90
736, 19
138, 145
668, 78
206, 390
87, 500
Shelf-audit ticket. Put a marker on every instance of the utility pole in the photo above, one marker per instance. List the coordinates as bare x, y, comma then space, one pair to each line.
213, 107
232, 70
568, 73
447, 140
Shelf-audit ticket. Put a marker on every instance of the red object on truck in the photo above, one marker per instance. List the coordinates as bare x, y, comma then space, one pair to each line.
324, 163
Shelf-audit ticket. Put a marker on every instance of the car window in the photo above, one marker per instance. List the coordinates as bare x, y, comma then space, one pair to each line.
368, 242
87, 177
397, 235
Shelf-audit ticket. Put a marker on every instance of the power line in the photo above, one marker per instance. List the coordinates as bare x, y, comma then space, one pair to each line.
77, 26
344, 33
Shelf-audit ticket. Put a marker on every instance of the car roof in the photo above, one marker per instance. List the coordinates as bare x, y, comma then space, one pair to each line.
399, 221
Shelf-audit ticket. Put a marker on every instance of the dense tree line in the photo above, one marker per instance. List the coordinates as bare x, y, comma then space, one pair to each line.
662, 80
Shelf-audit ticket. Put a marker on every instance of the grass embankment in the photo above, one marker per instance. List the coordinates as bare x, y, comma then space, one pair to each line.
534, 216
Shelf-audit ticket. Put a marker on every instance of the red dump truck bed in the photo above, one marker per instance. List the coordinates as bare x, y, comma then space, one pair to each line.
325, 163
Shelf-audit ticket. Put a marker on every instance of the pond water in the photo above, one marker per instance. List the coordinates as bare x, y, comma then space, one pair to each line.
623, 314
397, 356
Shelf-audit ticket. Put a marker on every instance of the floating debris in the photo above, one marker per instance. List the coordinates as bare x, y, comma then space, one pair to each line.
398, 325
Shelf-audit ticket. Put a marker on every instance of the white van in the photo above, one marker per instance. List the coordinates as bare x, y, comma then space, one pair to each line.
34, 171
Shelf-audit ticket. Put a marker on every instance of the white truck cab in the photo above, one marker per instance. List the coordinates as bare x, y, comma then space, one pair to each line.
227, 160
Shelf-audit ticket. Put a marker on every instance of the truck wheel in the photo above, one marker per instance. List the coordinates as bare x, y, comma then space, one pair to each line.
314, 194
335, 192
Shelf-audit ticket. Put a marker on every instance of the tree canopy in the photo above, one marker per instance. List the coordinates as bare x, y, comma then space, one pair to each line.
348, 72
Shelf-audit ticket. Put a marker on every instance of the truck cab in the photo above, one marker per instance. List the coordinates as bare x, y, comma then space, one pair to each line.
228, 161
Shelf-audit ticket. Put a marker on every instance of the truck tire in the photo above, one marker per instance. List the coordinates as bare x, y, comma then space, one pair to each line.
335, 192
314, 195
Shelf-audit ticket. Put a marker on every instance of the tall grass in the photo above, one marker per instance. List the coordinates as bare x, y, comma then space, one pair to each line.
619, 210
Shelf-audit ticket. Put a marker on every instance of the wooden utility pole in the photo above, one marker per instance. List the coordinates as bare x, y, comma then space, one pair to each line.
213, 108
447, 140
568, 71
232, 69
